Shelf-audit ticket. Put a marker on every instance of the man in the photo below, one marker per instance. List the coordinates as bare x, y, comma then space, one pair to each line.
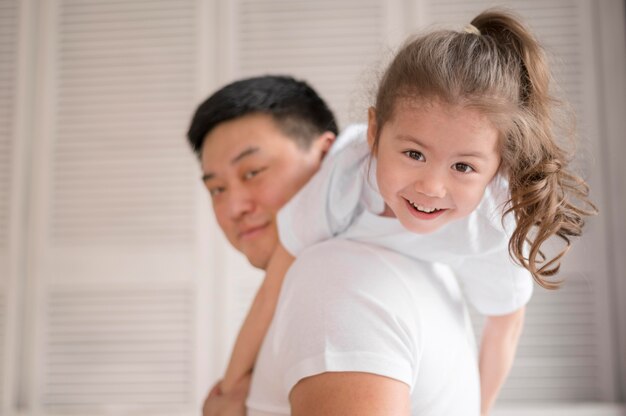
259, 140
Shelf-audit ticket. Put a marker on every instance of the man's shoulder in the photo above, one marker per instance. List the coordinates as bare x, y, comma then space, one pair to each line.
338, 256
346, 268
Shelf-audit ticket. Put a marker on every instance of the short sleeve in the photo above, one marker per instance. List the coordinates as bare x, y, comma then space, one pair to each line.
331, 200
491, 280
494, 284
347, 313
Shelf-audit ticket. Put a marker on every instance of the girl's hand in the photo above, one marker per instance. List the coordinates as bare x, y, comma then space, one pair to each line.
216, 390
227, 404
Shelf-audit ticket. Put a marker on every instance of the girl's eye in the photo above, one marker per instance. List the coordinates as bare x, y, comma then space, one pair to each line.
414, 154
462, 167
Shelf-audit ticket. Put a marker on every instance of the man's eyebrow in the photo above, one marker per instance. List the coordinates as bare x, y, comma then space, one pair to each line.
247, 152
243, 154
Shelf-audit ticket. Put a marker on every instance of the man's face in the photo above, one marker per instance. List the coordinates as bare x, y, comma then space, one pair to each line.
251, 169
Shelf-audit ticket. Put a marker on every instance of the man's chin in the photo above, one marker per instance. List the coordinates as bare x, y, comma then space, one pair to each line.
259, 256
260, 261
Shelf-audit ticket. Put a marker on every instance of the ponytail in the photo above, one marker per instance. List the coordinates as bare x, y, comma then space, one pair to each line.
546, 198
521, 48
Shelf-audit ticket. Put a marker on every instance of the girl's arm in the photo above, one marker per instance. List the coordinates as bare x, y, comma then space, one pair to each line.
497, 351
257, 321
350, 393
227, 404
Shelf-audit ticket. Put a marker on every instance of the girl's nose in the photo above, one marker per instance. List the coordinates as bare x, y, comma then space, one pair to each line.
431, 184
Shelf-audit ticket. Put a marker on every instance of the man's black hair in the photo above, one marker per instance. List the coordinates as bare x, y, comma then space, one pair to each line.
296, 108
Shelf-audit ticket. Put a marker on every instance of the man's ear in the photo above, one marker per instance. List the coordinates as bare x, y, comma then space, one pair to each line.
324, 142
372, 127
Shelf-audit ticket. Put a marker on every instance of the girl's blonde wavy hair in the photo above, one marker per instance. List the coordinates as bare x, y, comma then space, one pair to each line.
498, 67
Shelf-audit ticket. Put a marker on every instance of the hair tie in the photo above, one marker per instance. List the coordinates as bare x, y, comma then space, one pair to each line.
470, 28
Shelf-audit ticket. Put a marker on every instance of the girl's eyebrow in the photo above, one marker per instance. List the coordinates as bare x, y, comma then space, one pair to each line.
412, 139
477, 155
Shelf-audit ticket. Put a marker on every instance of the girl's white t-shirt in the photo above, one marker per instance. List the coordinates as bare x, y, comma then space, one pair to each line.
342, 201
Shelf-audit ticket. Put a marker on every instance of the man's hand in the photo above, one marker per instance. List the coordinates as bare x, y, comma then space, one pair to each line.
227, 404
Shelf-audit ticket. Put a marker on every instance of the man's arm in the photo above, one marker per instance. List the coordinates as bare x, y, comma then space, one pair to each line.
497, 351
257, 321
350, 393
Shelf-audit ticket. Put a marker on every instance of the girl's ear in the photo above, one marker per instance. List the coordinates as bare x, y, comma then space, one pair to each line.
372, 128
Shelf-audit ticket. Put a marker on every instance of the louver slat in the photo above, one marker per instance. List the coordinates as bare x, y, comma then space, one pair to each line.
8, 58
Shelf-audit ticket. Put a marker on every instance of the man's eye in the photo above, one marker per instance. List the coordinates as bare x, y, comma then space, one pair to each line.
215, 191
252, 173
414, 154
462, 167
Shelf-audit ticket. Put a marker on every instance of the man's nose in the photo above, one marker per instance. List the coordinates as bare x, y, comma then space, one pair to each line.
432, 183
239, 201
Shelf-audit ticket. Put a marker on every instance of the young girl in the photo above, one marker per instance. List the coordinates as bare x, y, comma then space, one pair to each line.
458, 165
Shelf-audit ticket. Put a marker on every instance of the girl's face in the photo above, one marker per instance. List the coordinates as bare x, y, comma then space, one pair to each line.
434, 162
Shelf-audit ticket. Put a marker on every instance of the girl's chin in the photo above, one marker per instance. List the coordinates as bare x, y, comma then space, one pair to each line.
388, 212
419, 226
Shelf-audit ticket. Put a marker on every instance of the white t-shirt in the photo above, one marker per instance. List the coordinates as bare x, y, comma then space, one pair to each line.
350, 306
342, 200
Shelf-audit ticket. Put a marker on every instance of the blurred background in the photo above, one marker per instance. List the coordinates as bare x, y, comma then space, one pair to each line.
118, 292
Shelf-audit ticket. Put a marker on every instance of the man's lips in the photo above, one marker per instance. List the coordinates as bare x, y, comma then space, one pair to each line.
253, 231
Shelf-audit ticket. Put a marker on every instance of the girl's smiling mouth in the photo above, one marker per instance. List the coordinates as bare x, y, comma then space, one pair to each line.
423, 212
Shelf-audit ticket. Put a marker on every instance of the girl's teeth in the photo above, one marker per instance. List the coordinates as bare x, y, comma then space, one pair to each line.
423, 209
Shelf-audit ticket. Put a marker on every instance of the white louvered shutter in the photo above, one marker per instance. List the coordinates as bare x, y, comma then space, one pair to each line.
10, 197
116, 277
565, 352
335, 46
